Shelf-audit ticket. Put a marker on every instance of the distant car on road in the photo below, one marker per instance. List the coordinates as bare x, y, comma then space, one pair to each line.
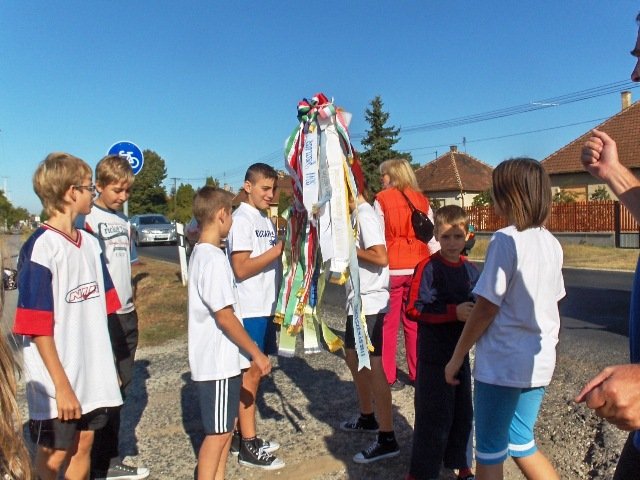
153, 228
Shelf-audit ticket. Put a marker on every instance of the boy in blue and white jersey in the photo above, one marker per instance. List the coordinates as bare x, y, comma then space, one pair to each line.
65, 295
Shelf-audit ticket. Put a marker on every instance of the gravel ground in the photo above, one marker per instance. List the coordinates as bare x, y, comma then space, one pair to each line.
307, 396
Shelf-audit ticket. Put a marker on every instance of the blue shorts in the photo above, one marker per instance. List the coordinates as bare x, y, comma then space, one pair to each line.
505, 417
219, 404
263, 331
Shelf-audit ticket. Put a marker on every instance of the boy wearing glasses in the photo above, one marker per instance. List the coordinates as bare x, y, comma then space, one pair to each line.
65, 294
114, 179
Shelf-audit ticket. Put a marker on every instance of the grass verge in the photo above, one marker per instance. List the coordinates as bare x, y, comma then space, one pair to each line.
161, 301
582, 256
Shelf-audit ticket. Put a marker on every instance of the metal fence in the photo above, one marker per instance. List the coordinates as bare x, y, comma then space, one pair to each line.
591, 216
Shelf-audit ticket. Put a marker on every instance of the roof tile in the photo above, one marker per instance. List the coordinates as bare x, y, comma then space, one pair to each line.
440, 174
624, 128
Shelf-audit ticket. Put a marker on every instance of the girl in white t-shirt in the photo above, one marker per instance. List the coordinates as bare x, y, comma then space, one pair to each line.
515, 323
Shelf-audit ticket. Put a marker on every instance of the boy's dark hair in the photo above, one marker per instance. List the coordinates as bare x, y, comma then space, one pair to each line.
522, 190
257, 170
451, 215
207, 201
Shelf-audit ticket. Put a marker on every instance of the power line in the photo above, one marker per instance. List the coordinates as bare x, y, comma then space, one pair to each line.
476, 140
519, 109
275, 158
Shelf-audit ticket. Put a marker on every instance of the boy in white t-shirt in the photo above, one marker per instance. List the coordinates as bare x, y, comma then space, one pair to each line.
255, 258
114, 179
216, 333
65, 295
371, 385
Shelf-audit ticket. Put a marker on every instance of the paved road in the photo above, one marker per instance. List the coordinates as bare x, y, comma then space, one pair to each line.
596, 297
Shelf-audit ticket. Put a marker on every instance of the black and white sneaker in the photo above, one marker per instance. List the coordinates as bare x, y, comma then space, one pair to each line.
120, 471
253, 455
377, 451
268, 445
360, 424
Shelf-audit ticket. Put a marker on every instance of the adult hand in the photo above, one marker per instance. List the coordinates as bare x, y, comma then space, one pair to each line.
599, 155
614, 394
463, 310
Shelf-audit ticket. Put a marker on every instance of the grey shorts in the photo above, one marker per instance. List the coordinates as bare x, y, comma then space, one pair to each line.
61, 435
219, 403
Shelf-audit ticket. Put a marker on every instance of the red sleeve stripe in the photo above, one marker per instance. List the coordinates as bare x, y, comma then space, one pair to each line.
113, 302
33, 322
414, 291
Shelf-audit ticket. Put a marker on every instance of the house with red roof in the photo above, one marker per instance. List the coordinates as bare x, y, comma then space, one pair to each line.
454, 178
564, 166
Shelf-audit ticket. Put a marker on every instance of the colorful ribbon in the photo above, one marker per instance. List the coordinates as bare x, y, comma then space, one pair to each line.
320, 241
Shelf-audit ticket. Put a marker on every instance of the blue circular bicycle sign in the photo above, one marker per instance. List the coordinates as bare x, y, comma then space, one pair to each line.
131, 152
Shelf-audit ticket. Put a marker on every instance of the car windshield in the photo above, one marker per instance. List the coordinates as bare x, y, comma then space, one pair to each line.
154, 220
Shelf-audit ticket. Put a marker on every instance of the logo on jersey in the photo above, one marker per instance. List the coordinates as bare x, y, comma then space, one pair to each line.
267, 234
108, 231
83, 292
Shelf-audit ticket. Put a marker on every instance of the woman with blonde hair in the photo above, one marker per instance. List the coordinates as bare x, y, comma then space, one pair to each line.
405, 251
14, 457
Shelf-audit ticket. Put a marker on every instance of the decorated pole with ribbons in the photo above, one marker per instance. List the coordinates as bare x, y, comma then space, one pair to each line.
320, 243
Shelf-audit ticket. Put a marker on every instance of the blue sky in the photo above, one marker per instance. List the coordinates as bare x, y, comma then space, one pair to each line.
213, 86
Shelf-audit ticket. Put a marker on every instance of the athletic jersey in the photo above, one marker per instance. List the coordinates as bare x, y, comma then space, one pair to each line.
252, 231
212, 355
113, 231
437, 288
65, 291
374, 280
522, 275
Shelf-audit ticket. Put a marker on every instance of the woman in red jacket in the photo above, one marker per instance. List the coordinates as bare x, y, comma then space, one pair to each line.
405, 251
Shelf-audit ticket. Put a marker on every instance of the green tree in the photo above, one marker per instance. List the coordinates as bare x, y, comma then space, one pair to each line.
5, 211
600, 193
184, 203
563, 196
378, 142
210, 181
10, 215
482, 199
148, 194
16, 215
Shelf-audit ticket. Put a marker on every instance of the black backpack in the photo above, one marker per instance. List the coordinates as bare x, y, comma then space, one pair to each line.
422, 226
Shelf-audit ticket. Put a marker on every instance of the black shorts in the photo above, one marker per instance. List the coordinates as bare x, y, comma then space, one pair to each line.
60, 435
219, 404
374, 329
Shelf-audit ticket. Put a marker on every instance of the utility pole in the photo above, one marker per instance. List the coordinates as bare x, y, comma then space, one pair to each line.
175, 195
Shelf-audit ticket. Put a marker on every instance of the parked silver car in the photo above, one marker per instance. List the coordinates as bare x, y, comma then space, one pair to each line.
153, 228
